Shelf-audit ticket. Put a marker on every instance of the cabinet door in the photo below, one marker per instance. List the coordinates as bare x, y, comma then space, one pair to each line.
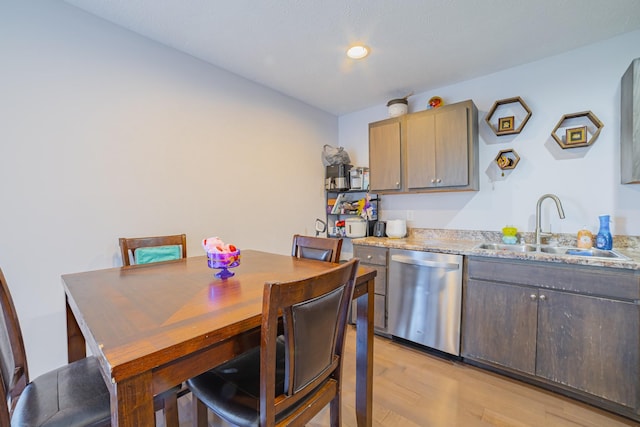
590, 344
452, 147
438, 148
499, 324
384, 156
421, 147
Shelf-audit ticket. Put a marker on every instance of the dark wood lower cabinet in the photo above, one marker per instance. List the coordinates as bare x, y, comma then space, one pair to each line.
574, 326
500, 325
590, 344
376, 257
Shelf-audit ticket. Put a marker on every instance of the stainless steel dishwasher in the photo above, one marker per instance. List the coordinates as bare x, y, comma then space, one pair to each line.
425, 298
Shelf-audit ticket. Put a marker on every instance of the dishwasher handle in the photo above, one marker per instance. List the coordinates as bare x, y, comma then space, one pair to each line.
425, 263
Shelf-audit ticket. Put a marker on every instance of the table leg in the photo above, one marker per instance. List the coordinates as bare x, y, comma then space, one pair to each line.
132, 402
364, 357
76, 346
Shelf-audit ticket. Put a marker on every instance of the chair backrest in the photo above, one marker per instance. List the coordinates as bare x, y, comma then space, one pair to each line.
314, 315
13, 363
320, 248
171, 247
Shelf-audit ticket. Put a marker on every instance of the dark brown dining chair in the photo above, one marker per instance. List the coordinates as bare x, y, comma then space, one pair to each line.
144, 250
73, 395
290, 377
320, 248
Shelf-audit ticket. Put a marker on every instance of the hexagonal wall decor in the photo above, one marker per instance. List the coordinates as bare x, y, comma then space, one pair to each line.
507, 159
577, 130
508, 116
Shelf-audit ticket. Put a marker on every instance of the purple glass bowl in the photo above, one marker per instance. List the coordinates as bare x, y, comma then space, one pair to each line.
223, 261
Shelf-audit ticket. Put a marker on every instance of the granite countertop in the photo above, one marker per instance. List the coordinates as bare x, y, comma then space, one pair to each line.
465, 242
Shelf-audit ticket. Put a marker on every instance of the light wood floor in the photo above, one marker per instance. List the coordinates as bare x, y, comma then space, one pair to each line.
412, 388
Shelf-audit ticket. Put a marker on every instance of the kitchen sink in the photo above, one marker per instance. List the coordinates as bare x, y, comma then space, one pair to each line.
509, 248
555, 250
598, 253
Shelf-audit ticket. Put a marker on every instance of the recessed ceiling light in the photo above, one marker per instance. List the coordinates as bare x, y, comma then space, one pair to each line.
357, 52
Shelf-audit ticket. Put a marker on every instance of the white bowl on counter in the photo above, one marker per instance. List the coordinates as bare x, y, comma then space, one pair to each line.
396, 228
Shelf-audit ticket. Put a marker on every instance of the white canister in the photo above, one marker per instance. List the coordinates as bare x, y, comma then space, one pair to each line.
396, 228
398, 107
355, 227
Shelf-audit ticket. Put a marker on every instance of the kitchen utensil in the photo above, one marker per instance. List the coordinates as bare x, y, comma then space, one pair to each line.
356, 227
378, 229
396, 228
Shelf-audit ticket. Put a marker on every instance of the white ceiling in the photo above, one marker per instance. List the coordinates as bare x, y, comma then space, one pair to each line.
297, 47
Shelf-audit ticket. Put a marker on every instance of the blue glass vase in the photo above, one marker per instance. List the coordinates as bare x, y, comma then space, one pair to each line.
604, 239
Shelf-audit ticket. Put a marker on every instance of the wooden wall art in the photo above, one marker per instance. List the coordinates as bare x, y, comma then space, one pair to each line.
577, 130
508, 116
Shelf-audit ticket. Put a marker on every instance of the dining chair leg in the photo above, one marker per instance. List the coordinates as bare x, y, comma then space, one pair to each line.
200, 412
171, 410
334, 411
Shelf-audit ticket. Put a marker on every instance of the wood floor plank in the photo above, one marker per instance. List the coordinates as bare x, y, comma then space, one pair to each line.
412, 388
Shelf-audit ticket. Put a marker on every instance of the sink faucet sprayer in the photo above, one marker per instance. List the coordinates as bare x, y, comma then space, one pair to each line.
555, 198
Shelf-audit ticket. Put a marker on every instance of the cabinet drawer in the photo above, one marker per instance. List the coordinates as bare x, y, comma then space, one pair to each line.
370, 254
598, 281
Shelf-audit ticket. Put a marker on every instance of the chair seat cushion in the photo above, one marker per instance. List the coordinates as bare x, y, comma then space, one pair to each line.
157, 254
70, 396
232, 390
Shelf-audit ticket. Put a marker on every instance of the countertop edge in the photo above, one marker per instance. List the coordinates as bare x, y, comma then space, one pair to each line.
470, 248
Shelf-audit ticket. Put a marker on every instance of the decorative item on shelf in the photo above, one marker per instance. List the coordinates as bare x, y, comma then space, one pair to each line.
221, 256
576, 135
508, 124
577, 130
505, 123
435, 102
509, 235
507, 159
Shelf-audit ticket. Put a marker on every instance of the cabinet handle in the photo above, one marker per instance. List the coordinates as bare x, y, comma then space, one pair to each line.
438, 180
433, 181
369, 257
543, 297
533, 297
397, 185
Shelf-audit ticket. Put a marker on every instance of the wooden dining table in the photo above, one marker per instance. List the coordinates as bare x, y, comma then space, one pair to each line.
154, 326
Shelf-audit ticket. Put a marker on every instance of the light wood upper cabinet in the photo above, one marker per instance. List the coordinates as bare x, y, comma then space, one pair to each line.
385, 154
437, 150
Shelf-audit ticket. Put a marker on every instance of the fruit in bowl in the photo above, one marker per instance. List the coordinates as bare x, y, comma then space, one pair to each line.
224, 259
222, 256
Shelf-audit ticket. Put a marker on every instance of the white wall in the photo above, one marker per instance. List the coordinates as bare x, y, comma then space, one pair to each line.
587, 180
104, 134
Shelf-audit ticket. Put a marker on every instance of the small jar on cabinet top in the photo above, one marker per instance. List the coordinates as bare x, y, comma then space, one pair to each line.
585, 239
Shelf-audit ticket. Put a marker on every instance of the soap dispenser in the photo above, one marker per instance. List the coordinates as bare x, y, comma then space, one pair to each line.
585, 238
604, 239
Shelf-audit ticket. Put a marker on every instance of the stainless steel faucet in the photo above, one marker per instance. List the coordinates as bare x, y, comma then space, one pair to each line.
555, 198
